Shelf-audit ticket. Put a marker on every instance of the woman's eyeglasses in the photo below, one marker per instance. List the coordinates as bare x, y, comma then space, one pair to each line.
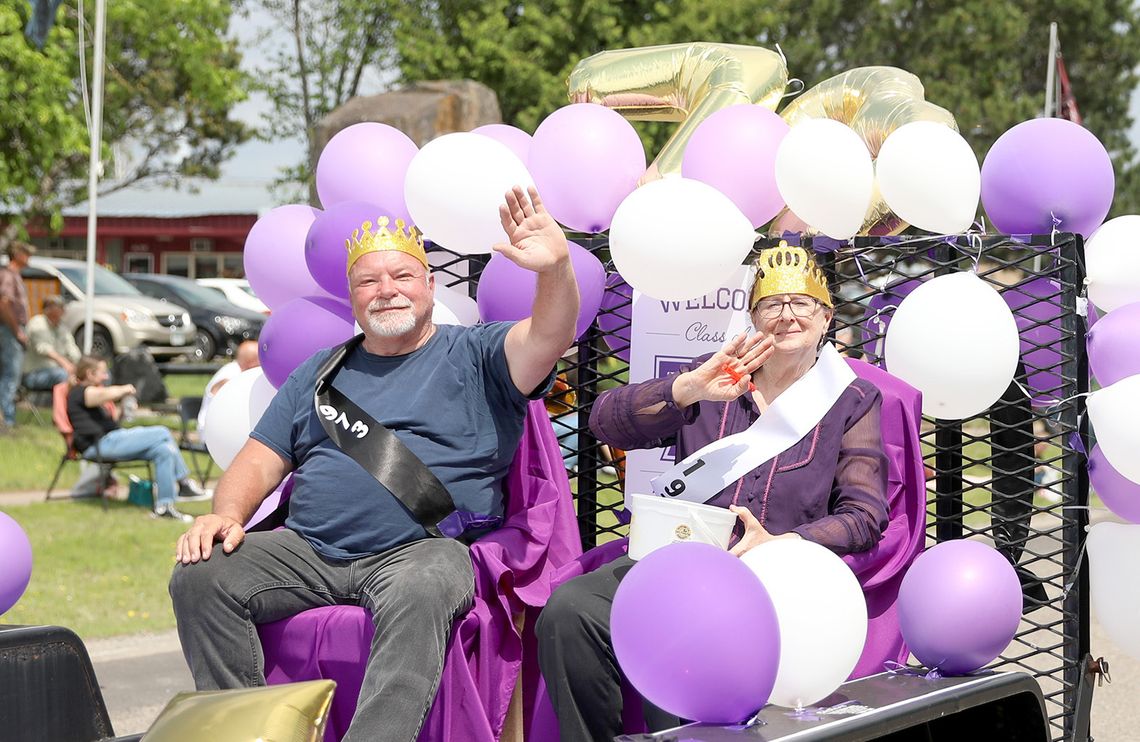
801, 306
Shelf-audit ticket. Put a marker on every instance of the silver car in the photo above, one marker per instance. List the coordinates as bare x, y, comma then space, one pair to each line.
123, 317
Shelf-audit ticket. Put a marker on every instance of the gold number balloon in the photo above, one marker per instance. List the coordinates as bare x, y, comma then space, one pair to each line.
679, 82
874, 101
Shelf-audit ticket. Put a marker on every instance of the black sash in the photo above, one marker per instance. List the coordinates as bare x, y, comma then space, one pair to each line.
380, 453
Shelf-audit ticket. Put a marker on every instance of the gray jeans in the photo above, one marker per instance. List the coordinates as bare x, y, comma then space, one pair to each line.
413, 591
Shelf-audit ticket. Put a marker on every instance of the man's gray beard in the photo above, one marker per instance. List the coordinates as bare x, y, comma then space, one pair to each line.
388, 326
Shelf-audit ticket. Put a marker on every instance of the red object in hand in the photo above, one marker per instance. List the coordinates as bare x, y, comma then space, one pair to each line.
737, 376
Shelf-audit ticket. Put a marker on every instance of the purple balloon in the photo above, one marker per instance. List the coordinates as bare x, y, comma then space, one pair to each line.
615, 316
880, 309
506, 291
366, 162
298, 330
515, 138
734, 151
325, 252
959, 606
1119, 494
1037, 309
585, 159
15, 562
1114, 352
1047, 168
275, 256
676, 622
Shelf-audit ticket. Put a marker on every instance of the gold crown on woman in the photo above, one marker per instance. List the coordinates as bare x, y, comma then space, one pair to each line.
405, 238
788, 270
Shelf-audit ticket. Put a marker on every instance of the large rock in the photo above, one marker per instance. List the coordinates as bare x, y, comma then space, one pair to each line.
423, 110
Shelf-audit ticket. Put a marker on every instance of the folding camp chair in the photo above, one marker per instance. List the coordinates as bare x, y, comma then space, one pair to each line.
62, 424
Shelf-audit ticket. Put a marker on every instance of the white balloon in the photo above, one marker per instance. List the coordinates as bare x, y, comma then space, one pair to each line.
955, 340
659, 258
1114, 562
234, 412
454, 187
824, 174
454, 308
822, 615
1112, 263
929, 176
1113, 412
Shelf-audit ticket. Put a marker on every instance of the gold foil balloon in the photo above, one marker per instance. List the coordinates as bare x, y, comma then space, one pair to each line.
295, 712
873, 101
679, 82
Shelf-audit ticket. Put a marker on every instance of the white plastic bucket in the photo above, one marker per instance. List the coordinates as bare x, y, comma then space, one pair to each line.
660, 521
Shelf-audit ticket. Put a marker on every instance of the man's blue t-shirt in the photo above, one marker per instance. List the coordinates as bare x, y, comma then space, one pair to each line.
451, 402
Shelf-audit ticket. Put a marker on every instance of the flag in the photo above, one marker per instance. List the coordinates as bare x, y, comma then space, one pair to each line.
1067, 108
39, 25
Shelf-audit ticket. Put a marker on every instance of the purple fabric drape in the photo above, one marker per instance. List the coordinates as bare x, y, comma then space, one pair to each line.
879, 570
514, 567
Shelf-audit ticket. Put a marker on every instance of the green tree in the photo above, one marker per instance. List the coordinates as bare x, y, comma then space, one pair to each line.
984, 60
328, 55
172, 80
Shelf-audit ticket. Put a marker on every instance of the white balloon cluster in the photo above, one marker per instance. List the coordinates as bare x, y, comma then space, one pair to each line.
925, 171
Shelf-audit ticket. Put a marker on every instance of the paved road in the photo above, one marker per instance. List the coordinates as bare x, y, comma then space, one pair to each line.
138, 675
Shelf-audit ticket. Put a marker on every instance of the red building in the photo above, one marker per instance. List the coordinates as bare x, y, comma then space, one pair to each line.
197, 235
205, 246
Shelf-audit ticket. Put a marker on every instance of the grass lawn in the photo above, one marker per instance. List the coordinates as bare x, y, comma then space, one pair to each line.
30, 454
98, 572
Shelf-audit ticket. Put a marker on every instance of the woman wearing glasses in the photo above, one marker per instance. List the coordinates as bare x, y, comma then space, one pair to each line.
828, 486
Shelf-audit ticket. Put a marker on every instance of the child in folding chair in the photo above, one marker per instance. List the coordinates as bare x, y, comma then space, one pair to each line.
98, 435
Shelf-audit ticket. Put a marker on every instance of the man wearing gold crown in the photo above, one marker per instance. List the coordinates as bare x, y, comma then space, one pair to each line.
398, 442
812, 467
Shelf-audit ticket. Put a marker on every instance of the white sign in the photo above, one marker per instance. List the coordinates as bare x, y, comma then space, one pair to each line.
665, 335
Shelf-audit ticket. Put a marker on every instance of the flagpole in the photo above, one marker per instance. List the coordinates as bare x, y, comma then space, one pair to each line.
95, 168
1050, 73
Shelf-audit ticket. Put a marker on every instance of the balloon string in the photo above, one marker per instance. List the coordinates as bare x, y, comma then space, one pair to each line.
1060, 402
896, 668
859, 267
799, 88
1053, 232
1076, 569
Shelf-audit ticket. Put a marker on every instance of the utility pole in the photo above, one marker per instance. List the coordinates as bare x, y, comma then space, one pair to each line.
95, 166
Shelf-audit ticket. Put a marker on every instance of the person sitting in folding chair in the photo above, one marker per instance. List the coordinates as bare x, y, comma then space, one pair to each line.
97, 435
51, 354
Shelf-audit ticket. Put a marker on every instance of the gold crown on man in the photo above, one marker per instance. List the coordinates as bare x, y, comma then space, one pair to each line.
405, 238
788, 270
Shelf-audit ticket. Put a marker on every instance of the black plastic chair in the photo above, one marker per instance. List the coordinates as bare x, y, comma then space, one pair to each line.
48, 688
188, 409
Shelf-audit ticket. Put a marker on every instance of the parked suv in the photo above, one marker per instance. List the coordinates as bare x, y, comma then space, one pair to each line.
221, 324
123, 317
235, 290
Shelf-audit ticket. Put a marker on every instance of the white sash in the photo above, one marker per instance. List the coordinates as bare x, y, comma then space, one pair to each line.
786, 421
